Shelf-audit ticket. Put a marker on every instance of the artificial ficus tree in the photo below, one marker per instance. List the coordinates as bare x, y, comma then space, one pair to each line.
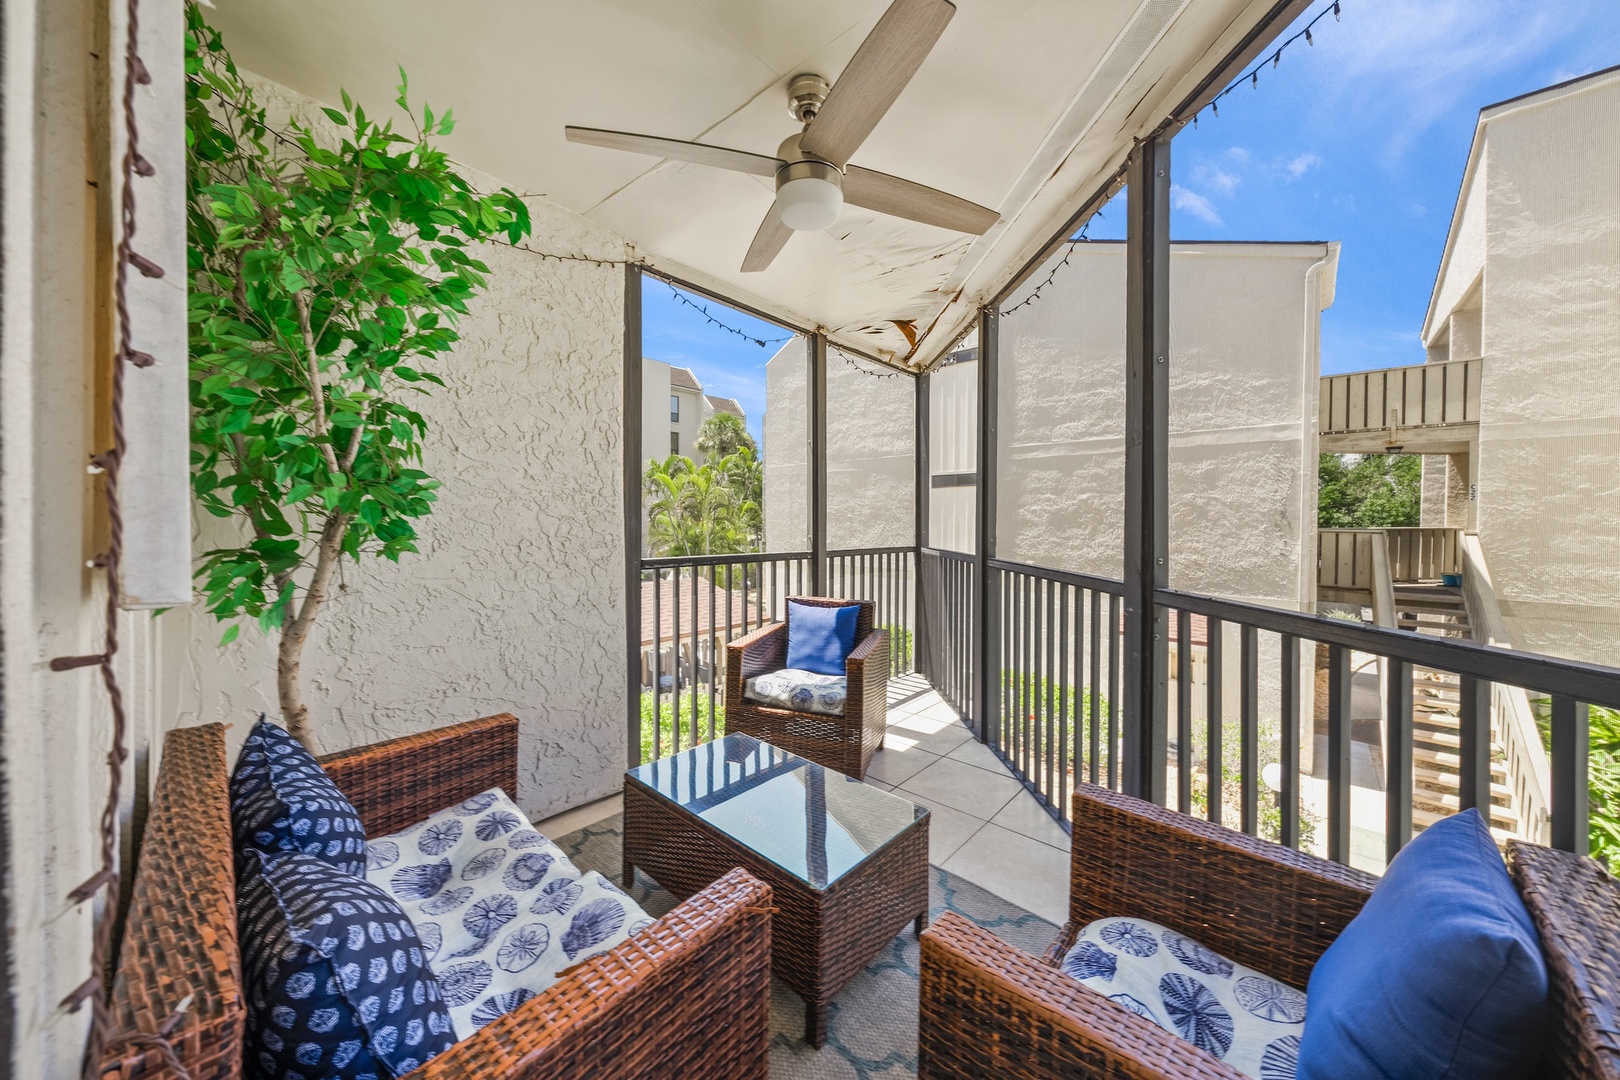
327, 276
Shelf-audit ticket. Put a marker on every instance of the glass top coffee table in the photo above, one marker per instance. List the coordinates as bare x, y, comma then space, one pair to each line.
847, 862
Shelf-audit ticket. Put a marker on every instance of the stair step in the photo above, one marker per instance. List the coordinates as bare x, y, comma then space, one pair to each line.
1434, 606
1436, 622
1422, 819
1442, 761
1430, 783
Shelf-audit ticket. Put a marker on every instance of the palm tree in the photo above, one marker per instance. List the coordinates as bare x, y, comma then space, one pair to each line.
709, 509
724, 434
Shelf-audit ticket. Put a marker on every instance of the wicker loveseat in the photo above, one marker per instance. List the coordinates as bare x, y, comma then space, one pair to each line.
989, 1010
688, 997
846, 742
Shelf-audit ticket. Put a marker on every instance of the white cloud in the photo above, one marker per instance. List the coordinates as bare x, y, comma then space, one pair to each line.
1238, 154
1300, 164
1195, 204
1417, 60
1217, 179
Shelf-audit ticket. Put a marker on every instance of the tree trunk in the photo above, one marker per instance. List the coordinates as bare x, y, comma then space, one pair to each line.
295, 631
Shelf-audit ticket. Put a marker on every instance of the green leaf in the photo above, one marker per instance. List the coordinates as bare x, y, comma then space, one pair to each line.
230, 634
336, 117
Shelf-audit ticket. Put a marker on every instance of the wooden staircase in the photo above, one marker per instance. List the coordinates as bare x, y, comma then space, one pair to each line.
1436, 738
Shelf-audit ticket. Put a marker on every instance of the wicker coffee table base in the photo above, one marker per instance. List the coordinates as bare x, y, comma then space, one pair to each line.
820, 939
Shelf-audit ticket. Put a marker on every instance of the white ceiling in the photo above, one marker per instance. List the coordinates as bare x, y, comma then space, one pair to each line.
1024, 106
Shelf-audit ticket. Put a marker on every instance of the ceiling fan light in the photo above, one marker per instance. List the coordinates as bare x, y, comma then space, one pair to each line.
809, 204
809, 195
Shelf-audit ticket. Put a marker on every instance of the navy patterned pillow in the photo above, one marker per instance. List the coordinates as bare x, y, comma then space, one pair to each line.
337, 985
282, 800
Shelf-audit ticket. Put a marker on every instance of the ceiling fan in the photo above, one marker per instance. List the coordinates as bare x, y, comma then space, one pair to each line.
813, 175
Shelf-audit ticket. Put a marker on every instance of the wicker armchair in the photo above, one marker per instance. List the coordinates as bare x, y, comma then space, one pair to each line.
845, 743
688, 997
989, 1010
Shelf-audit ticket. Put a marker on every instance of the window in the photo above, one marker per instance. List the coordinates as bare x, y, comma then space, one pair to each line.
674, 409
674, 442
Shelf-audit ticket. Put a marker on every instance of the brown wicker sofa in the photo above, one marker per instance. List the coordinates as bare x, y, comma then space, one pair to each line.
845, 743
688, 997
989, 1010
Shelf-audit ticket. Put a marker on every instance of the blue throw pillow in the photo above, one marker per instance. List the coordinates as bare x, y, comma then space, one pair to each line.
282, 800
820, 639
1440, 975
336, 981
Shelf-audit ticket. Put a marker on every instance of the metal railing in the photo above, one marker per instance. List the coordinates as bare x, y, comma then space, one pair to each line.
1245, 745
1274, 730
887, 576
1058, 648
692, 606
949, 605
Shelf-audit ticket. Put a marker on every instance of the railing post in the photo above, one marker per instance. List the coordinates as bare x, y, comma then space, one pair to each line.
1398, 758
987, 684
818, 464
1147, 384
919, 529
632, 516
1571, 743
1338, 754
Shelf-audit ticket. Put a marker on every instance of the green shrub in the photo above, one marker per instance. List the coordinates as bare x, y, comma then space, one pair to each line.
667, 713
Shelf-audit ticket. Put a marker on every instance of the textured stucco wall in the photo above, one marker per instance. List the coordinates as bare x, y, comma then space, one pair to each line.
787, 448
1244, 369
515, 601
1550, 397
871, 471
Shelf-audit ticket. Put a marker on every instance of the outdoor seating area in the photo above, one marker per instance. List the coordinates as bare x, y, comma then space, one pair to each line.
830, 588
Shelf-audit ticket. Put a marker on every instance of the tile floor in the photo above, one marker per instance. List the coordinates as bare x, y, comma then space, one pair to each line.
984, 825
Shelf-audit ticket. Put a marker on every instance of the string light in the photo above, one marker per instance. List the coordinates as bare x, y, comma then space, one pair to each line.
851, 361
1035, 294
1252, 76
703, 309
591, 260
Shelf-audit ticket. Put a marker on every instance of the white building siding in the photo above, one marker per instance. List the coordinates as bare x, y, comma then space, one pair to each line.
1245, 358
1548, 219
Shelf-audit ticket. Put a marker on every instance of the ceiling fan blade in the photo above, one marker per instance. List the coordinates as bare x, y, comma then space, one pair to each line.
699, 153
879, 70
915, 202
768, 243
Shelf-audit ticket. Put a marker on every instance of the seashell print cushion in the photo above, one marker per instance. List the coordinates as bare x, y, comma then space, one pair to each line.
282, 800
1240, 1015
500, 909
801, 691
335, 982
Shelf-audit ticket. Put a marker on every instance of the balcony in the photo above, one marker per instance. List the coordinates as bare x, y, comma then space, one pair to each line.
1072, 478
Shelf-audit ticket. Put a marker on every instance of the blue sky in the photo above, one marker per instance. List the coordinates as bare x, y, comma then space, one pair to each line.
726, 364
1360, 137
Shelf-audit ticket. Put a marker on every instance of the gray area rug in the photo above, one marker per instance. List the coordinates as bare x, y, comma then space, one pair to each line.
872, 1031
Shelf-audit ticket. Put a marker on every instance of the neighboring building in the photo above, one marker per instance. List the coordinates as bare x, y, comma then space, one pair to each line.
673, 408
1530, 283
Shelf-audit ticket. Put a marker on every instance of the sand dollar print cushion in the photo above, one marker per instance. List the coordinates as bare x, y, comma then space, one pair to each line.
1242, 1016
500, 909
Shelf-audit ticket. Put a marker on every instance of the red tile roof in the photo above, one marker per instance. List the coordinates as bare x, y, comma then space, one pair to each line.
744, 613
724, 404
